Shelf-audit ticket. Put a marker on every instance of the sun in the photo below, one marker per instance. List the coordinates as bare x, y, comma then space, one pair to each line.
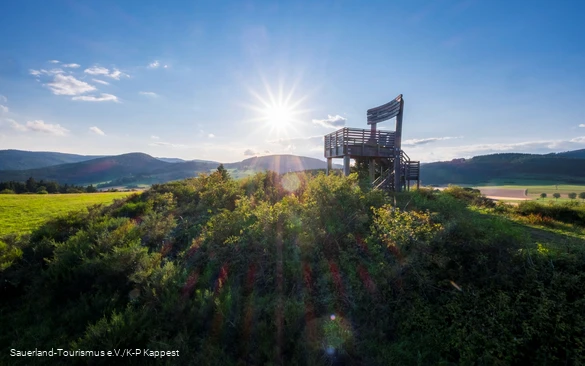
278, 116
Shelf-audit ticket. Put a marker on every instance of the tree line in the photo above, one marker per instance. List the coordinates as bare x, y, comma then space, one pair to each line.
43, 187
571, 195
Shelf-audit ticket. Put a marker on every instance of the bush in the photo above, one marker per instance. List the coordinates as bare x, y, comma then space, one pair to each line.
7, 191
568, 212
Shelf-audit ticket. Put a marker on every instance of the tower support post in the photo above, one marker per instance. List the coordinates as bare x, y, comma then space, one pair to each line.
346, 165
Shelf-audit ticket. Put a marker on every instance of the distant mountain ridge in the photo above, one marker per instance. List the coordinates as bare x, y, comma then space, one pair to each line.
279, 163
566, 167
20, 160
12, 159
139, 167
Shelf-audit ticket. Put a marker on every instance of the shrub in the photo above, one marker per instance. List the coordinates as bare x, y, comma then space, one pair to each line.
7, 191
8, 254
567, 212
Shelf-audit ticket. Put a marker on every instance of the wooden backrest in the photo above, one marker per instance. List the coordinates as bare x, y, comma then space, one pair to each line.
386, 111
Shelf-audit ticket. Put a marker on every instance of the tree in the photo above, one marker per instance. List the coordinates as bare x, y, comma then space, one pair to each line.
31, 185
223, 172
582, 196
91, 189
557, 195
572, 195
52, 187
543, 195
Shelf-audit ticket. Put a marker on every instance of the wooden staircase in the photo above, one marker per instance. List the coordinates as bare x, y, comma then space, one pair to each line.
410, 171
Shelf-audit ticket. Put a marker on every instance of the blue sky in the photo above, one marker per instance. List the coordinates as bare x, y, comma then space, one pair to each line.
194, 79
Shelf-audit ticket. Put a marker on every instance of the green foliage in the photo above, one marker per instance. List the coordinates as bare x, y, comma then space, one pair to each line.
299, 269
556, 195
582, 195
469, 195
543, 195
567, 212
572, 195
8, 254
7, 191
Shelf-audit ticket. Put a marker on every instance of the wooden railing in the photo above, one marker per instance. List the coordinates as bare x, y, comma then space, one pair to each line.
345, 137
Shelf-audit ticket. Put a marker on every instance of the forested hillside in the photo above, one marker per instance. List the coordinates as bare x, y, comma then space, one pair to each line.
139, 168
562, 168
298, 270
21, 160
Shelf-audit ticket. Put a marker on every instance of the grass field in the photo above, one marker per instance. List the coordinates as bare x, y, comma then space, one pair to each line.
22, 213
534, 191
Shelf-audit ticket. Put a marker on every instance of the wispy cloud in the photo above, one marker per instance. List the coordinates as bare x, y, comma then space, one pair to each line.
331, 121
45, 72
311, 143
582, 125
154, 65
3, 108
40, 126
54, 61
69, 85
101, 81
97, 131
211, 135
98, 70
73, 66
116, 74
154, 137
149, 94
441, 153
250, 152
102, 98
169, 144
415, 142
3, 99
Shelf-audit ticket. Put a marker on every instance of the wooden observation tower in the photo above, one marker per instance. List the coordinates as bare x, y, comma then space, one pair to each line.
390, 168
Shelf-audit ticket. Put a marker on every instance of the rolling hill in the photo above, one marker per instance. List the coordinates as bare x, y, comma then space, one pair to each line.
21, 160
578, 154
136, 168
280, 163
507, 168
24, 160
91, 171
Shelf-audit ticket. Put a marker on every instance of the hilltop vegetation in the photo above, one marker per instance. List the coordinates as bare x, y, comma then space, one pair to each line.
299, 270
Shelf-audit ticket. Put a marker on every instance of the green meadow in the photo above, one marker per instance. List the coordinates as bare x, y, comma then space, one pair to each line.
22, 213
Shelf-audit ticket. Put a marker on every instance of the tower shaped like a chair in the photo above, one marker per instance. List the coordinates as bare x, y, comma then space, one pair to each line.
389, 166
